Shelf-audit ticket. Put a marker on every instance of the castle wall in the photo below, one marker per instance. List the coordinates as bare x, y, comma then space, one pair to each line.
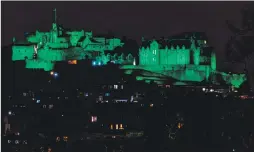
39, 64
178, 72
213, 61
22, 52
51, 55
196, 56
59, 45
172, 56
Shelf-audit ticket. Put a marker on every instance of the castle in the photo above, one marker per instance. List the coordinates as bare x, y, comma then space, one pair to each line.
42, 49
186, 57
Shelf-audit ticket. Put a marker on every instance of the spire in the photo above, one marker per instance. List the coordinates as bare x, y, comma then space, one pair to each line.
54, 28
55, 15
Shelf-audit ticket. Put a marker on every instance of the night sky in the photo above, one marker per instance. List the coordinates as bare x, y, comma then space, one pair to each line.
131, 19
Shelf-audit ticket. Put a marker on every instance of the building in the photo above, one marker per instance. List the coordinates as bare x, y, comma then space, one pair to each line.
185, 58
42, 49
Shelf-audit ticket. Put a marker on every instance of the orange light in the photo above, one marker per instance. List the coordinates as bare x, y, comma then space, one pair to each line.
65, 138
121, 126
51, 73
49, 149
111, 127
179, 125
72, 62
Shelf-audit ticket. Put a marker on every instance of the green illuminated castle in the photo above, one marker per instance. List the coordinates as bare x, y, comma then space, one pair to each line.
42, 49
185, 58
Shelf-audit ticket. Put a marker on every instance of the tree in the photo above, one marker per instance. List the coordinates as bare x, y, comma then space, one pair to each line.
240, 46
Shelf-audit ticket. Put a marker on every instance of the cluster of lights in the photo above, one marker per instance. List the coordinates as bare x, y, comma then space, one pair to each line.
209, 90
19, 106
55, 74
94, 63
65, 138
243, 97
72, 62
17, 142
135, 134
117, 127
94, 118
174, 128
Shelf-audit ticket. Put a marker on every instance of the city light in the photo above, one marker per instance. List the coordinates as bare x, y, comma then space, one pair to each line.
49, 149
72, 62
65, 138
94, 118
55, 74
121, 127
57, 139
94, 63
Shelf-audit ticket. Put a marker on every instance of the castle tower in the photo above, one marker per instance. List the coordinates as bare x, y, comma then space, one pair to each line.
195, 52
213, 61
54, 31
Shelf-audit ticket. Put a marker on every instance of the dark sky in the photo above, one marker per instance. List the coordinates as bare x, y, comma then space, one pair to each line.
131, 19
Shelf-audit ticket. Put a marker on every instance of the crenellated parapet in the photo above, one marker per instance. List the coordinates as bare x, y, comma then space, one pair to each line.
174, 51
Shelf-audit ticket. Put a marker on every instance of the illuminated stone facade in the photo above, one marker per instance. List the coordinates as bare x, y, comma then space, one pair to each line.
186, 58
42, 49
